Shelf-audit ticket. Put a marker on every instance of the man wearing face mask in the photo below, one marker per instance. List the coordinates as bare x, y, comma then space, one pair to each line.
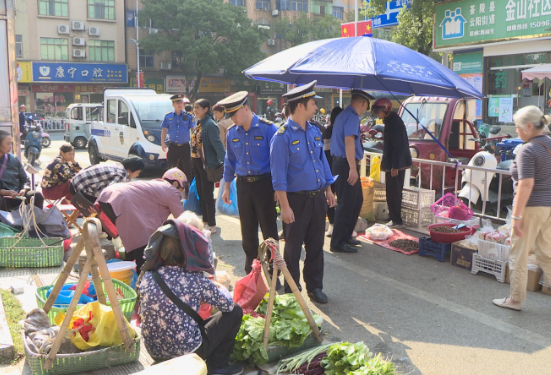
138, 208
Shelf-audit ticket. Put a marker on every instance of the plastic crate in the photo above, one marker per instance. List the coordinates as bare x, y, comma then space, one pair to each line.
417, 198
434, 249
493, 251
470, 223
379, 194
493, 267
419, 219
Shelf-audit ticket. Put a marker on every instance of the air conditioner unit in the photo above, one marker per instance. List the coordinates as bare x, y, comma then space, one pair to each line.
153, 31
63, 29
79, 42
275, 13
93, 31
77, 25
166, 66
271, 42
79, 53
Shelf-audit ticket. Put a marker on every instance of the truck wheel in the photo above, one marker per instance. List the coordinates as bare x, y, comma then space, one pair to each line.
93, 155
46, 142
80, 142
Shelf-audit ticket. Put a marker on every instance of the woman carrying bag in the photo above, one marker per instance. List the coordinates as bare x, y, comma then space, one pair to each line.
207, 153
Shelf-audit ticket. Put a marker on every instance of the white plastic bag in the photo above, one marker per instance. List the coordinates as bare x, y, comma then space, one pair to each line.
379, 232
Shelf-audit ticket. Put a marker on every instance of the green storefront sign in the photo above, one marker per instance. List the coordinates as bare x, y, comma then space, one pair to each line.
468, 63
481, 21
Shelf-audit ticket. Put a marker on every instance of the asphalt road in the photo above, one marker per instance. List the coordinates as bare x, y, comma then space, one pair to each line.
427, 317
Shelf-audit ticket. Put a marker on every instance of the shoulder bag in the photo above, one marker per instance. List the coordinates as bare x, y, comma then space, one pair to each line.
177, 301
214, 174
541, 143
4, 165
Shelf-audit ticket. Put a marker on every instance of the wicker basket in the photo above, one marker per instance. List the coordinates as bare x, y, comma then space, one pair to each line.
31, 252
127, 303
79, 363
7, 231
380, 192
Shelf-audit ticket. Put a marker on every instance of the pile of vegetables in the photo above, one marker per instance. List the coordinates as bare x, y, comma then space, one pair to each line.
288, 327
337, 359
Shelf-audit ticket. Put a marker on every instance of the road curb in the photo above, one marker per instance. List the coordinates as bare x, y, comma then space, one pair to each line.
6, 341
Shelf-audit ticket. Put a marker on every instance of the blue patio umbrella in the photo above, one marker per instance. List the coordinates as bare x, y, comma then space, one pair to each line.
362, 63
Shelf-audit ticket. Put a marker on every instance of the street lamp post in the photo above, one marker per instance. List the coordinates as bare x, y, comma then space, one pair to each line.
137, 61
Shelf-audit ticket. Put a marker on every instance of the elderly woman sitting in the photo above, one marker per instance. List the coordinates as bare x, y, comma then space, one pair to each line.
176, 257
14, 183
58, 174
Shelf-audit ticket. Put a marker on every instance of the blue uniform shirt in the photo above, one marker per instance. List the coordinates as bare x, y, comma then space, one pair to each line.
346, 124
297, 159
178, 126
248, 152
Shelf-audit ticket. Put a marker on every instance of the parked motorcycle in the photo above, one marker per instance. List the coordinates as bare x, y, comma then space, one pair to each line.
33, 144
46, 141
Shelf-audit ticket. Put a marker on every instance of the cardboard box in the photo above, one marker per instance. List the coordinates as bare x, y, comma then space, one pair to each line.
546, 290
533, 284
462, 257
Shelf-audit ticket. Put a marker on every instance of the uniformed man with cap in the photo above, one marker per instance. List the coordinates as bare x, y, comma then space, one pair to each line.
248, 160
347, 151
301, 178
177, 125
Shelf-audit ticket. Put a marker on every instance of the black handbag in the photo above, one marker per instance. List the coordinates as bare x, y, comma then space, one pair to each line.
177, 301
82, 204
214, 174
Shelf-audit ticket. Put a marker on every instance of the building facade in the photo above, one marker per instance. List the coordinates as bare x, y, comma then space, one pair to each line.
492, 42
67, 52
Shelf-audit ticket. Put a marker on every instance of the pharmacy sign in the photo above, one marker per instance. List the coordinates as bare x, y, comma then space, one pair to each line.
472, 22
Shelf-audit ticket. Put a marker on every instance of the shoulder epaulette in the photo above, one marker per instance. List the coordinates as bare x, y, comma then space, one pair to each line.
266, 121
282, 129
231, 126
168, 112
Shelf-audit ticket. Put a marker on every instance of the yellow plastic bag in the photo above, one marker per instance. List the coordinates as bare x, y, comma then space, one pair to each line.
375, 172
368, 191
94, 325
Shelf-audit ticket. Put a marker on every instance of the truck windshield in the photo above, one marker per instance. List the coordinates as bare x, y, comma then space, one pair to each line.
431, 115
151, 108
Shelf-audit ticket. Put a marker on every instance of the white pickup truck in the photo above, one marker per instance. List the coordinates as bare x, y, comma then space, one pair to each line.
131, 125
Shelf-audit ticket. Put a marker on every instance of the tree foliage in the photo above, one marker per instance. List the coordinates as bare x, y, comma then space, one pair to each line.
415, 24
303, 29
205, 36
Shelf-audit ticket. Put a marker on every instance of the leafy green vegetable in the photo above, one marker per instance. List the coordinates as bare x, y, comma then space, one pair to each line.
289, 327
355, 359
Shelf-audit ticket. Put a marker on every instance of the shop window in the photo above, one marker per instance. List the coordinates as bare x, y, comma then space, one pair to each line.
19, 46
321, 7
294, 5
263, 5
146, 60
101, 9
53, 104
111, 111
338, 12
240, 3
59, 8
102, 50
54, 49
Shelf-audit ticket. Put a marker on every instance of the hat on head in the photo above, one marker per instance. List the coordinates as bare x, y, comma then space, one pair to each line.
362, 94
301, 92
234, 102
22, 105
177, 98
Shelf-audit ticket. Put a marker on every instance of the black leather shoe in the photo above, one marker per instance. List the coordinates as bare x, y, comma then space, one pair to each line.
318, 296
343, 248
353, 242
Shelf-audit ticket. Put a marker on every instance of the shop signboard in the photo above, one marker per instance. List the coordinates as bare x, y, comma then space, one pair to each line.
482, 21
157, 84
390, 16
178, 84
67, 88
469, 67
24, 72
214, 84
505, 110
79, 72
272, 88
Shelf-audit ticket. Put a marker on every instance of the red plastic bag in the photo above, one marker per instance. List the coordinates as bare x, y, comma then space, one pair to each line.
250, 289
205, 311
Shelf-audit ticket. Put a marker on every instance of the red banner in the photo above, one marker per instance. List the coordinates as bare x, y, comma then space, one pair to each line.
365, 28
141, 79
347, 30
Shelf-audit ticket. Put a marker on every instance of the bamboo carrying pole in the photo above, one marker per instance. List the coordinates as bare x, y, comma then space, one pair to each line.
270, 307
279, 263
90, 241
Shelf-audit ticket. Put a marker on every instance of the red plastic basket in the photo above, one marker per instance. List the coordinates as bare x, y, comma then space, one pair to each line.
442, 206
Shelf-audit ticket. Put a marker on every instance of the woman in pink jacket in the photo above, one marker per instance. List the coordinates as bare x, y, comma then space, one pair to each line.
138, 208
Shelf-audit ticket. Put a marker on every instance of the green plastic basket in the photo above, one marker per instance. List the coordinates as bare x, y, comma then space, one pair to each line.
79, 363
31, 252
7, 231
127, 303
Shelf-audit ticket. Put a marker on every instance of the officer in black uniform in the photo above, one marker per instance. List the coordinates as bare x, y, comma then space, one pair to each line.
302, 180
248, 159
177, 124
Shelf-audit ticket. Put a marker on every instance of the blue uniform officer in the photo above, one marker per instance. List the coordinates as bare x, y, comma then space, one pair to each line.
177, 125
248, 160
302, 179
347, 151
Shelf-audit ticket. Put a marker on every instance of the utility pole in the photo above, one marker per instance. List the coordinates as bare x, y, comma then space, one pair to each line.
138, 46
